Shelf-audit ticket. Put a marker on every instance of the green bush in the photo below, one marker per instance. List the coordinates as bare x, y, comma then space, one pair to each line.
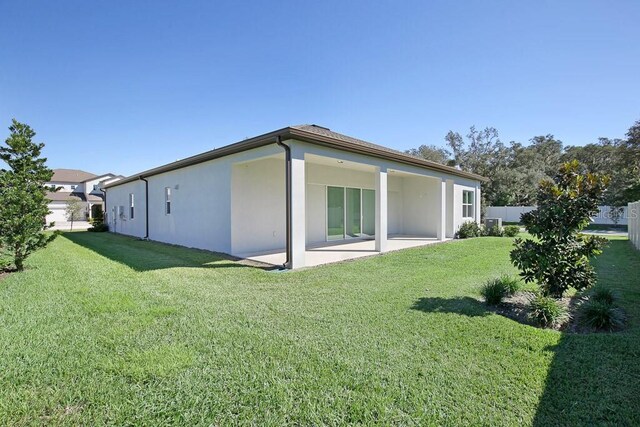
496, 231
603, 295
469, 229
495, 290
557, 258
547, 312
511, 230
99, 228
601, 315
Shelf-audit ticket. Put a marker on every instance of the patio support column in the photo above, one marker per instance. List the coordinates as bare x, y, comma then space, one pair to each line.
478, 201
381, 209
442, 221
298, 203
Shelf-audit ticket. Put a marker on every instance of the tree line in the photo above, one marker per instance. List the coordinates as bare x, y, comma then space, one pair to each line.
514, 170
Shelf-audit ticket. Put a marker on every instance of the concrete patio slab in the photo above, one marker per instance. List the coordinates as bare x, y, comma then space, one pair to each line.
344, 250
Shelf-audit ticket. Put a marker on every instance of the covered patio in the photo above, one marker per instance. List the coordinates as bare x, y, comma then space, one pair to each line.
330, 252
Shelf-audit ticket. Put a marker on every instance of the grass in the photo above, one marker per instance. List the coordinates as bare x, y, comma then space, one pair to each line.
103, 329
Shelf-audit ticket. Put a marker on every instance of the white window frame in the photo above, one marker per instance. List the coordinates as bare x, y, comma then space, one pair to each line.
468, 205
167, 200
344, 214
131, 206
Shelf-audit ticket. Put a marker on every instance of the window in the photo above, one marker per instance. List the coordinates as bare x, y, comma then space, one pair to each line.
467, 204
131, 210
350, 212
73, 187
95, 187
167, 200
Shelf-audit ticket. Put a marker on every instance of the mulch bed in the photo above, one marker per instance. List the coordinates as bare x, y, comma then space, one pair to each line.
516, 307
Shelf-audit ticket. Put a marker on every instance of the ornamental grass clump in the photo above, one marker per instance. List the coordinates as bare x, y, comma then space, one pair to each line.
602, 315
547, 312
601, 312
495, 290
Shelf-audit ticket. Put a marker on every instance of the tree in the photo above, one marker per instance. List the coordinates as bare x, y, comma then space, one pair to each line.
431, 153
98, 217
559, 257
23, 203
73, 210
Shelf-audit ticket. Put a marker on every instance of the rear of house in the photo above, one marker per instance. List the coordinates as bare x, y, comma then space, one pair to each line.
290, 190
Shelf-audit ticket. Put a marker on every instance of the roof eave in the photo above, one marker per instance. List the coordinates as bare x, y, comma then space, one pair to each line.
375, 152
292, 133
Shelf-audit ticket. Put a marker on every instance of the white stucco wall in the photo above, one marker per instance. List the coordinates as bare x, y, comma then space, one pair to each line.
65, 187
258, 205
200, 203
420, 209
458, 219
236, 204
119, 196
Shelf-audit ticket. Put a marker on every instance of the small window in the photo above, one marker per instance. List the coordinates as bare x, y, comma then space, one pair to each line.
131, 206
167, 201
73, 187
95, 187
467, 204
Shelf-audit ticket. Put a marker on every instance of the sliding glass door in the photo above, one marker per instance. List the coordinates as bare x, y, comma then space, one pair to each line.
335, 213
368, 212
350, 213
353, 212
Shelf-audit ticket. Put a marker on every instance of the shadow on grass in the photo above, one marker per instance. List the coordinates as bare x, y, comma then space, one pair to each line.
594, 379
463, 305
143, 255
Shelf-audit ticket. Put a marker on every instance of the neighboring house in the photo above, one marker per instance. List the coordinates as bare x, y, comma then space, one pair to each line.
82, 185
293, 188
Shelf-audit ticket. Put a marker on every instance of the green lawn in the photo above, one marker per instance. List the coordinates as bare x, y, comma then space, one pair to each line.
102, 329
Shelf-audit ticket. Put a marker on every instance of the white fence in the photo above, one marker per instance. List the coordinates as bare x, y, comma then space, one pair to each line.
634, 223
606, 216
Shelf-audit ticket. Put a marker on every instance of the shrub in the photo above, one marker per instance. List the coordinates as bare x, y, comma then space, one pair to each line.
511, 284
558, 257
98, 218
603, 295
511, 230
601, 315
496, 231
496, 289
469, 229
547, 312
99, 228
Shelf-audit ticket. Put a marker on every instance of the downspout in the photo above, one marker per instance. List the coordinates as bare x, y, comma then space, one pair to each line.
287, 172
105, 213
146, 208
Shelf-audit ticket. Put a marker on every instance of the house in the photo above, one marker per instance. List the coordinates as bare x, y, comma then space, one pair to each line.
73, 183
292, 190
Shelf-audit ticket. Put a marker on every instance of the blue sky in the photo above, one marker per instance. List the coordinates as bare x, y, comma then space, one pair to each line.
125, 86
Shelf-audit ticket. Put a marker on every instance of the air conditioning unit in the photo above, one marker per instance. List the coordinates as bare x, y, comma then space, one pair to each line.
489, 223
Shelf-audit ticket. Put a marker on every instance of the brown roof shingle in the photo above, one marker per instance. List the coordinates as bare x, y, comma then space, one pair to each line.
309, 133
71, 175
65, 197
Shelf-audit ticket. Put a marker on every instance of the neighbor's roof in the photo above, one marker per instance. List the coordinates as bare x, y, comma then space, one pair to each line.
65, 197
71, 175
308, 133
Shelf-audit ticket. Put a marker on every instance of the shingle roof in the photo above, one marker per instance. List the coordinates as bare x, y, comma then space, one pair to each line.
71, 175
65, 197
319, 130
309, 133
